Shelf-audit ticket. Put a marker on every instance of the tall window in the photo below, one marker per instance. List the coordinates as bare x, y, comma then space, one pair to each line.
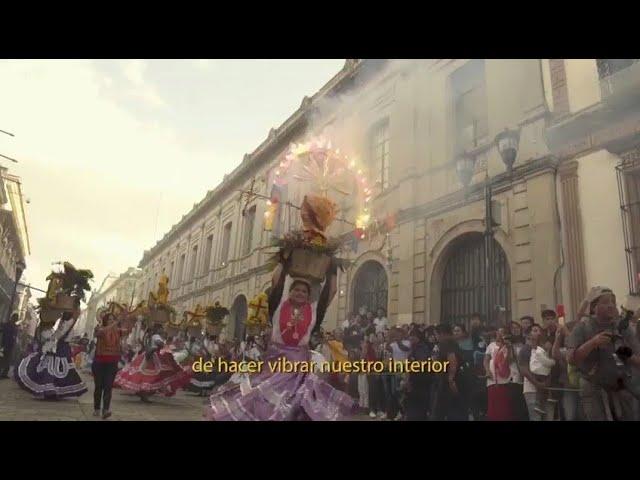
247, 236
194, 258
180, 269
379, 152
171, 272
279, 193
206, 261
470, 104
226, 241
629, 189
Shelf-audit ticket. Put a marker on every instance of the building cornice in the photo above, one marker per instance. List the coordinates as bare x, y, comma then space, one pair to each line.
247, 274
475, 193
609, 124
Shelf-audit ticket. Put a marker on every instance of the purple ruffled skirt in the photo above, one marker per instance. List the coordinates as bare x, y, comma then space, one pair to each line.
279, 396
51, 375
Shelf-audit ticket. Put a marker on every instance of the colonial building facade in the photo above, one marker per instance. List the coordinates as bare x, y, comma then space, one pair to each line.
595, 134
408, 123
14, 239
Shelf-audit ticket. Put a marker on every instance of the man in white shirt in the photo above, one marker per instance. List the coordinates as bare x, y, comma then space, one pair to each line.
381, 323
532, 384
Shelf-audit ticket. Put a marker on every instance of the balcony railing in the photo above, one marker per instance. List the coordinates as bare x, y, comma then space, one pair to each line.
628, 173
609, 66
618, 76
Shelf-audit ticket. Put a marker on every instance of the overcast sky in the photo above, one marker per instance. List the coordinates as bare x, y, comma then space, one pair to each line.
114, 152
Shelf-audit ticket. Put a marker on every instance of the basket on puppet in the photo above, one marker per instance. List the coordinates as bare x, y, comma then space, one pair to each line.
64, 292
309, 253
162, 314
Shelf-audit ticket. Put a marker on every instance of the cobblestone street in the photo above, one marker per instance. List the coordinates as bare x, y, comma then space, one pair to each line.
17, 404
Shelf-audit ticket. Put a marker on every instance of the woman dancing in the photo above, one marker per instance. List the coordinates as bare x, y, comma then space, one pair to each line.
49, 372
286, 396
152, 370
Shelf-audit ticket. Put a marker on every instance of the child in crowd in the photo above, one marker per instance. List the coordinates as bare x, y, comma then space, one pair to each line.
540, 365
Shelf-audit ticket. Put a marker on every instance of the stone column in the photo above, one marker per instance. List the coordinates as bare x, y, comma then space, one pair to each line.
419, 262
573, 233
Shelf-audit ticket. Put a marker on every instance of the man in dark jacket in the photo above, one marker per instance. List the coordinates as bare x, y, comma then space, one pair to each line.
417, 398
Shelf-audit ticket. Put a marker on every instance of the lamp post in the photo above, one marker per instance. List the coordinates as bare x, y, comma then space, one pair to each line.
507, 143
20, 266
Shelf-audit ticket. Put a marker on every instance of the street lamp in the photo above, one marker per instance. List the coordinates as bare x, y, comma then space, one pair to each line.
20, 266
507, 143
465, 166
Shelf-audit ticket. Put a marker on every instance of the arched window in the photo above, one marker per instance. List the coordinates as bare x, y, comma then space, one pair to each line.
238, 315
463, 281
371, 287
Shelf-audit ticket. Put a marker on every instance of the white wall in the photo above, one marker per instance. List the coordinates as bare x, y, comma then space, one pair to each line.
602, 223
583, 83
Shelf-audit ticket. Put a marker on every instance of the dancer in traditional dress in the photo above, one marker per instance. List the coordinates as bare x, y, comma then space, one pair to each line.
203, 382
181, 352
152, 371
286, 396
49, 372
135, 340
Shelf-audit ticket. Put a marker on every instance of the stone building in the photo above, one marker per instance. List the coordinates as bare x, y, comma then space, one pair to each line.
121, 288
409, 123
14, 237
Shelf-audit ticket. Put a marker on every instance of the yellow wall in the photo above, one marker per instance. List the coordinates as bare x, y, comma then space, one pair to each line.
602, 224
583, 83
546, 78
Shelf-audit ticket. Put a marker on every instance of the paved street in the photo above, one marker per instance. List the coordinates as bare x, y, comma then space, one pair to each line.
17, 404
